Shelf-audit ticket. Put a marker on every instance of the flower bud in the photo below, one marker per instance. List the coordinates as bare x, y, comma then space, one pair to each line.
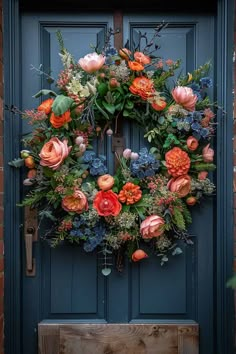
24, 153
134, 156
82, 147
191, 201
28, 182
79, 140
109, 132
127, 153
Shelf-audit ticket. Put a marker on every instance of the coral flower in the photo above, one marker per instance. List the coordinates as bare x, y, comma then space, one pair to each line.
54, 152
159, 105
130, 193
59, 121
142, 58
142, 87
184, 95
75, 203
192, 143
92, 62
177, 162
180, 185
135, 66
207, 154
152, 226
138, 255
202, 175
46, 106
106, 203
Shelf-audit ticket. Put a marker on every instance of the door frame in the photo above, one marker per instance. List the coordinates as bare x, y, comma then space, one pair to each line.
223, 252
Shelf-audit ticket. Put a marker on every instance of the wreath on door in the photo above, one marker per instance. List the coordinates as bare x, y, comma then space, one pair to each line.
143, 207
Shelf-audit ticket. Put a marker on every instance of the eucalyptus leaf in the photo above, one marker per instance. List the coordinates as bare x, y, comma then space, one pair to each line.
44, 93
17, 162
106, 271
177, 251
61, 104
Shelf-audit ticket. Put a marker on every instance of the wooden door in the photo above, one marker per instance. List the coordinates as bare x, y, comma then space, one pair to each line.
69, 306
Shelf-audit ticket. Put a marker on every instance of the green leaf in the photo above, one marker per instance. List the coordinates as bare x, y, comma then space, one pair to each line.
44, 93
231, 283
102, 89
129, 105
101, 110
109, 107
61, 104
126, 113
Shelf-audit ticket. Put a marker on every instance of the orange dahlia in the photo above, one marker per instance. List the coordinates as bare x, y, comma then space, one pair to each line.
130, 194
135, 66
142, 87
177, 162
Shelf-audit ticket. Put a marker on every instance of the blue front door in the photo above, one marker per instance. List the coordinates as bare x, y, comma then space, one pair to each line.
68, 285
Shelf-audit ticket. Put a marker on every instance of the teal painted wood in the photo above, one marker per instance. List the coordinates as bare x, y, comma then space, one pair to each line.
115, 292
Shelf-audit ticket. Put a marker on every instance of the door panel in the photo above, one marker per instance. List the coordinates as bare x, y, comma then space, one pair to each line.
69, 286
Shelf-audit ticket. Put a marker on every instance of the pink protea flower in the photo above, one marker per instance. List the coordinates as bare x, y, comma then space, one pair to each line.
184, 96
92, 62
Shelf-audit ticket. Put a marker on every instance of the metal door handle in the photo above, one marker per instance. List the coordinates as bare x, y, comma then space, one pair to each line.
30, 236
29, 251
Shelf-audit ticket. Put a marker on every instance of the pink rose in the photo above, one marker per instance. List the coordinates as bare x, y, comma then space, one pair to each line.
184, 96
202, 175
207, 154
192, 143
54, 152
92, 62
152, 226
180, 185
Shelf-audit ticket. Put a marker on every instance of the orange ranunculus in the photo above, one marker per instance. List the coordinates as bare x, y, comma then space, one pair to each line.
92, 62
105, 182
77, 202
135, 66
152, 226
192, 143
106, 203
207, 154
46, 106
180, 185
124, 53
142, 58
130, 193
59, 121
138, 255
53, 153
185, 97
177, 162
143, 87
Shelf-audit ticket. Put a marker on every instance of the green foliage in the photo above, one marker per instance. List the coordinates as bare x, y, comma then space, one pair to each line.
61, 104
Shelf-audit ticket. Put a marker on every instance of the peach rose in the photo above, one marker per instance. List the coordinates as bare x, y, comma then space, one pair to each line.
184, 95
106, 203
207, 154
152, 226
46, 106
53, 153
138, 255
75, 203
124, 53
105, 182
92, 62
180, 185
192, 143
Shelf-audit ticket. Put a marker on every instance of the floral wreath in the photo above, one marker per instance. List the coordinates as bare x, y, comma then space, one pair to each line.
144, 206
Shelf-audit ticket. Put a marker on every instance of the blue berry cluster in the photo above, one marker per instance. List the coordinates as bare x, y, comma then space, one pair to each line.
96, 163
145, 166
198, 89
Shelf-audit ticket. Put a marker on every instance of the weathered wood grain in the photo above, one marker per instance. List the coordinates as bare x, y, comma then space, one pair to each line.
118, 339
